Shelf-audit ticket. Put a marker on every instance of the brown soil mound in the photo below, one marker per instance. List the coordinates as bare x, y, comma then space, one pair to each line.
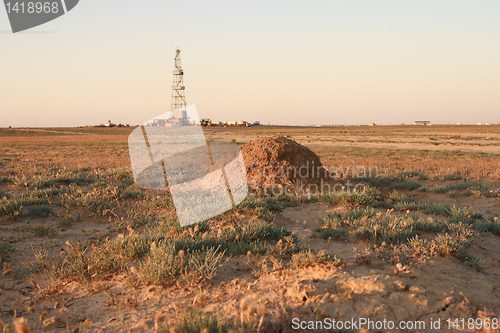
276, 161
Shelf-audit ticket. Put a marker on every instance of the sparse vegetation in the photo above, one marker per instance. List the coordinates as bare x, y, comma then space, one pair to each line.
125, 243
43, 231
194, 321
366, 224
5, 251
310, 258
6, 180
40, 211
9, 207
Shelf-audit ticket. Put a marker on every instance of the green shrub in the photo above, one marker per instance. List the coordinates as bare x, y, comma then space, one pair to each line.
196, 321
350, 200
131, 246
73, 180
97, 205
404, 202
40, 211
488, 226
477, 190
439, 189
366, 224
203, 265
78, 265
45, 193
141, 220
28, 201
40, 184
199, 243
240, 248
400, 197
43, 231
9, 207
121, 174
162, 264
385, 230
453, 176
130, 194
256, 230
458, 215
435, 208
5, 251
338, 221
153, 201
6, 180
331, 234
409, 186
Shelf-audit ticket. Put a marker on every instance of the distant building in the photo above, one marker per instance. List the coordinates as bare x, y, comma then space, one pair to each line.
206, 122
108, 124
372, 124
422, 122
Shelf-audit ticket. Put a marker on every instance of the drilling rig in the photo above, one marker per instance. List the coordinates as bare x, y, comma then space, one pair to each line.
178, 95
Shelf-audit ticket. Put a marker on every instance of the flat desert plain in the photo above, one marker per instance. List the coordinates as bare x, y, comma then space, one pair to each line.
84, 249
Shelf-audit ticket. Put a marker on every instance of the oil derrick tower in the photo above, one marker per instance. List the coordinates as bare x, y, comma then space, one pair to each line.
178, 95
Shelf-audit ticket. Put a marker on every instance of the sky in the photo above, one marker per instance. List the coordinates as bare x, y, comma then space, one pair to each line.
278, 62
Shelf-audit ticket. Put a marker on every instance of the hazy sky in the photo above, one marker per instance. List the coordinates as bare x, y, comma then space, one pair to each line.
314, 62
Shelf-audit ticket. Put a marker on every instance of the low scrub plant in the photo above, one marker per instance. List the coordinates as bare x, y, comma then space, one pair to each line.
476, 190
121, 174
367, 224
43, 231
352, 200
195, 321
451, 176
85, 265
203, 265
330, 233
162, 264
5, 251
6, 180
164, 251
492, 225
40, 211
10, 207
409, 186
255, 230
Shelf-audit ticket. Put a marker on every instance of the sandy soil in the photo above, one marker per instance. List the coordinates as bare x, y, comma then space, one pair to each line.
441, 287
248, 285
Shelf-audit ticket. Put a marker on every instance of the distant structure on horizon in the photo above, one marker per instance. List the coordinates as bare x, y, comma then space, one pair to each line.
109, 124
422, 122
178, 112
206, 122
178, 96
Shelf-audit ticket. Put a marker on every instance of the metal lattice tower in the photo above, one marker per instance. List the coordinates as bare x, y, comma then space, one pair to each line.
178, 96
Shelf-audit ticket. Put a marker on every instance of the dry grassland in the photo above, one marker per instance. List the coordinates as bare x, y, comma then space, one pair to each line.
83, 249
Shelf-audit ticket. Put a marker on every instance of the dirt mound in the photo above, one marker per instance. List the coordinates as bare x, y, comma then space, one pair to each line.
275, 162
